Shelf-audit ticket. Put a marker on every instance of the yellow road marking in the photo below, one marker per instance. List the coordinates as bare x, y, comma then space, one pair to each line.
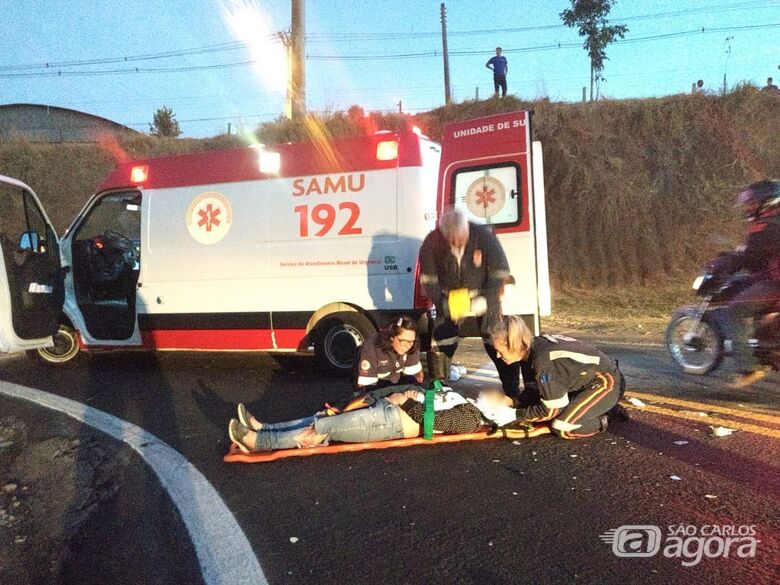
775, 420
741, 426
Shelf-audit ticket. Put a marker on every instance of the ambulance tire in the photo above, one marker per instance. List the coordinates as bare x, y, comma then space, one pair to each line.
337, 339
65, 350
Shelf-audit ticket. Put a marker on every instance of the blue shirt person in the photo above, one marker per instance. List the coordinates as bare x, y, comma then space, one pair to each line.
500, 68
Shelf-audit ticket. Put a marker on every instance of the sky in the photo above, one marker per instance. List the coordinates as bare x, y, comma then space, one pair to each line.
220, 62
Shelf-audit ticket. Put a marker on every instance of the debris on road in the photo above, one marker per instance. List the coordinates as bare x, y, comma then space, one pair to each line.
721, 431
636, 402
710, 496
293, 539
675, 477
681, 443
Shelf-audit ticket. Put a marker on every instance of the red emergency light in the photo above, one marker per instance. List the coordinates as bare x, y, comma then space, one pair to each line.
387, 150
139, 174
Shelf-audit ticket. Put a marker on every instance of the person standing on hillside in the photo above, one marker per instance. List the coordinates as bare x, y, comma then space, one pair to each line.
770, 86
500, 68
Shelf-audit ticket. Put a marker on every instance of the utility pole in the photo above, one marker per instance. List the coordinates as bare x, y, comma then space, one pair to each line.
284, 36
726, 67
447, 90
298, 59
591, 79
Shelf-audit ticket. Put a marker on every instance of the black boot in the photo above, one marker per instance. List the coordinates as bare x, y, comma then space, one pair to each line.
438, 365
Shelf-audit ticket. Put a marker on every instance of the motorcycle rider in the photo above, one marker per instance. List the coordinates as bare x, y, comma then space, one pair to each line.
760, 255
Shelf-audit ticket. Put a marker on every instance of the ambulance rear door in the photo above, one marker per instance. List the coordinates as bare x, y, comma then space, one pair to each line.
31, 278
487, 171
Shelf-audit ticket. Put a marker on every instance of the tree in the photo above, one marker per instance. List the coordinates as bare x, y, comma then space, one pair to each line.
591, 18
165, 124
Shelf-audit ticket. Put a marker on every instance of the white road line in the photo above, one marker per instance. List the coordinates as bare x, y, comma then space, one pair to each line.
225, 555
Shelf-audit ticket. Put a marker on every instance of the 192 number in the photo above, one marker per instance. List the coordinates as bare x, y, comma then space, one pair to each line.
324, 216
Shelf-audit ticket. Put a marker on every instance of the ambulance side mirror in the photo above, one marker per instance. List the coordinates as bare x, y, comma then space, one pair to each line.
30, 241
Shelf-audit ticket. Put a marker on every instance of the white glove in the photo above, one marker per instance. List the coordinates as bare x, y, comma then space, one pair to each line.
479, 306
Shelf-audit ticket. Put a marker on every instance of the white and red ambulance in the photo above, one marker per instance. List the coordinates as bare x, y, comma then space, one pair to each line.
289, 247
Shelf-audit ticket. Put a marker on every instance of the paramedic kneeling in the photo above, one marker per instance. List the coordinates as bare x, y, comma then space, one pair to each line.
578, 385
462, 263
389, 357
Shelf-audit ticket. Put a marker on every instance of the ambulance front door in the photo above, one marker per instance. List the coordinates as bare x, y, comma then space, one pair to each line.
31, 278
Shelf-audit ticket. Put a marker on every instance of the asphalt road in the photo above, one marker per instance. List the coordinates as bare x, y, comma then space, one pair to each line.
488, 512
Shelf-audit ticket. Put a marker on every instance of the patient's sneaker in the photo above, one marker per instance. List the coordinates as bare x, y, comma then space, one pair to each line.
237, 433
246, 418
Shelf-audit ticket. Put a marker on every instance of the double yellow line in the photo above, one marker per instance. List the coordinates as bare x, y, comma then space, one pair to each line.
707, 414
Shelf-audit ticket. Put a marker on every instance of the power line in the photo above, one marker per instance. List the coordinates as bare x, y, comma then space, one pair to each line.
239, 45
377, 57
552, 46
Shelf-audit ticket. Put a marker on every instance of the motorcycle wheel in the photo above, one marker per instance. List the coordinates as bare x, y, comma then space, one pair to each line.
697, 348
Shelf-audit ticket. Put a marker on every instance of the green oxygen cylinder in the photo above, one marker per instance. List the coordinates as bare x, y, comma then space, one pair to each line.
429, 412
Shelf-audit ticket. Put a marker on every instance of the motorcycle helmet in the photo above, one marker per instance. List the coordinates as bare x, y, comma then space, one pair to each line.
760, 199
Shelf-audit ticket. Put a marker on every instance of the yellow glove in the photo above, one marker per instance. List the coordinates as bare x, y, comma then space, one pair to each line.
459, 303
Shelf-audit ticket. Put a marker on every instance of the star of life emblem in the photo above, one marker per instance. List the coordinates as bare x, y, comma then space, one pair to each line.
485, 197
209, 217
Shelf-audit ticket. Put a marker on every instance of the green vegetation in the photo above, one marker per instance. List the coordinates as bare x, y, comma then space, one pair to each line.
165, 124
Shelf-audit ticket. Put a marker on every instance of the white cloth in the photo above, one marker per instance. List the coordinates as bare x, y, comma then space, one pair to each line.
443, 400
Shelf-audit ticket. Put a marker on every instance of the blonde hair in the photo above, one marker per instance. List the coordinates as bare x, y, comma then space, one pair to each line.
514, 333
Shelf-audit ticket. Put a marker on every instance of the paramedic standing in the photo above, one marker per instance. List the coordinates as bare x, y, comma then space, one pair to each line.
500, 68
463, 260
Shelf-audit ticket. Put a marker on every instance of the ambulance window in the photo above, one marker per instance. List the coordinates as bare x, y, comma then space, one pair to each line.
489, 194
22, 222
118, 212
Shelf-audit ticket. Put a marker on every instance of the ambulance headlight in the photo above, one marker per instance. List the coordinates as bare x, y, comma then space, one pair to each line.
270, 162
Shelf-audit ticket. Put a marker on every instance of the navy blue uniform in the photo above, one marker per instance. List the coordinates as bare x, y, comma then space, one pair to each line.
576, 382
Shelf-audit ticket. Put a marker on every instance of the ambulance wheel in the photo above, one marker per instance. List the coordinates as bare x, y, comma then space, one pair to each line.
65, 349
337, 340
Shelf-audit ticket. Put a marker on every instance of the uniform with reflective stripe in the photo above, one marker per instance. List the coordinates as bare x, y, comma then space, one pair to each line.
576, 385
377, 366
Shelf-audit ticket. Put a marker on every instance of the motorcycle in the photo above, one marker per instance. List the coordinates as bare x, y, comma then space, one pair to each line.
695, 335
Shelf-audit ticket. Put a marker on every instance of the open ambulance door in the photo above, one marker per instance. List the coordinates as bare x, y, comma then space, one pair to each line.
487, 170
31, 278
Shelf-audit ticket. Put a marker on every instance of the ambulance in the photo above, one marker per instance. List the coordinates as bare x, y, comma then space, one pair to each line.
292, 247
